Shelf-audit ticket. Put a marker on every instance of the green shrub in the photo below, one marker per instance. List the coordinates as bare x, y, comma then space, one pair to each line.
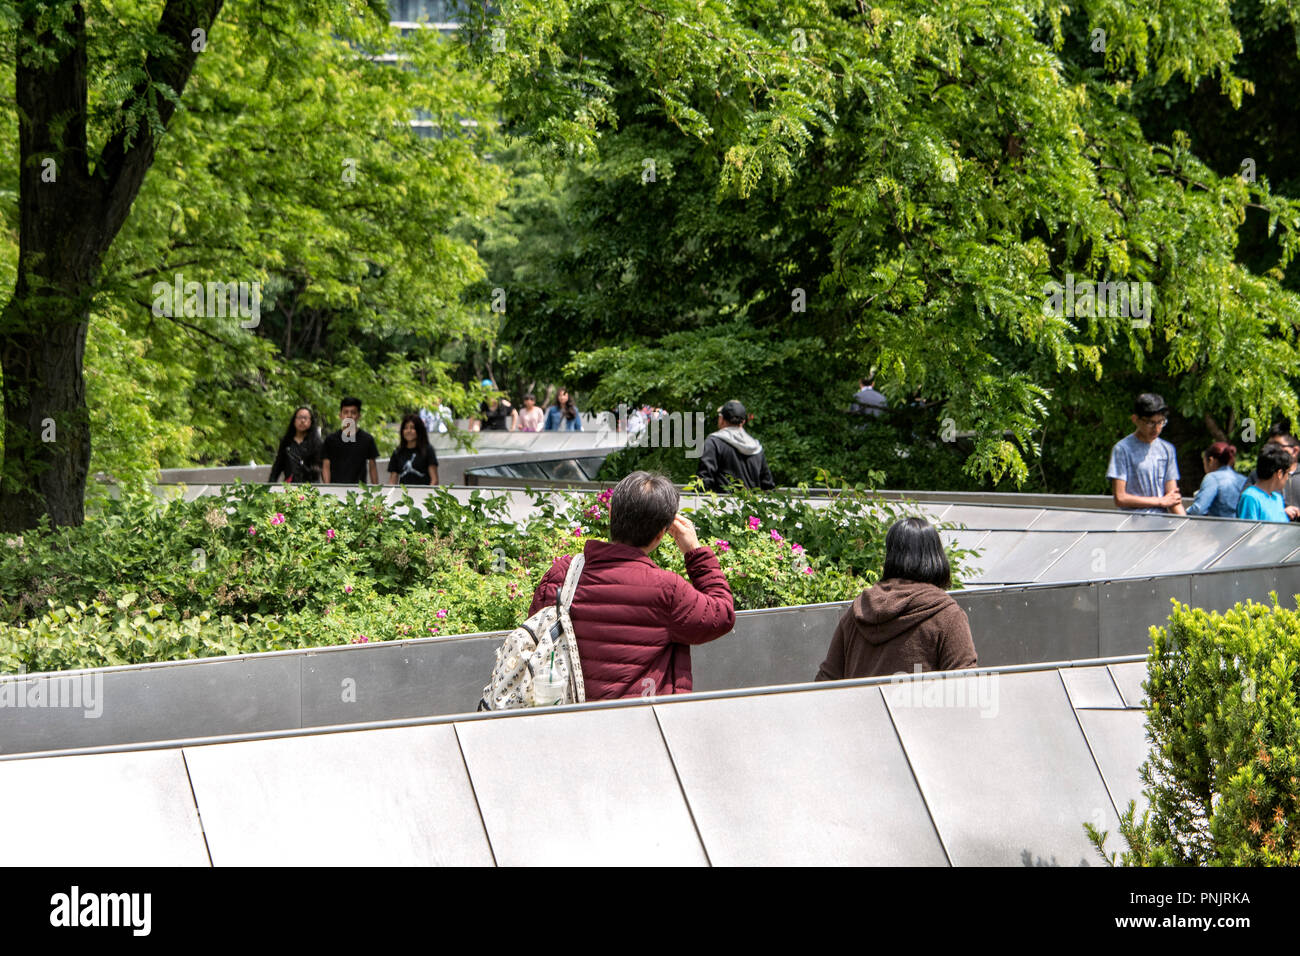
1223, 777
254, 569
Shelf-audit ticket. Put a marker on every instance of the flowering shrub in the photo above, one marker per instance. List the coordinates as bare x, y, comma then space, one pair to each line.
255, 569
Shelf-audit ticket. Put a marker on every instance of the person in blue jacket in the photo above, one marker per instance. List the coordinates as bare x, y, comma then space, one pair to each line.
563, 415
1221, 487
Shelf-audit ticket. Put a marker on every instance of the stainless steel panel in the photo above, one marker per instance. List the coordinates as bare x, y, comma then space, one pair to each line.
1130, 608
1267, 544
1032, 625
401, 680
1102, 554
1009, 780
607, 773
1119, 744
397, 797
766, 647
993, 519
1152, 522
1286, 579
117, 810
993, 549
1091, 687
163, 703
814, 778
1128, 678
1059, 520
1029, 557
1192, 546
1220, 590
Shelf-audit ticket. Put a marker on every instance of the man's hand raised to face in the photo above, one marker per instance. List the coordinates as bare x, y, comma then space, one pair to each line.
683, 532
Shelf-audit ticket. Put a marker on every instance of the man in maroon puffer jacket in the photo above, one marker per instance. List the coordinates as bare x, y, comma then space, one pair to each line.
634, 621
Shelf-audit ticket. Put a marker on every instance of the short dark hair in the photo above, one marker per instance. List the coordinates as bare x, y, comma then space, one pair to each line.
914, 552
350, 401
643, 504
1272, 459
1148, 404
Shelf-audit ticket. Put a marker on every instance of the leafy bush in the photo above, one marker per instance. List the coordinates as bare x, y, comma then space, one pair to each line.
254, 569
1223, 777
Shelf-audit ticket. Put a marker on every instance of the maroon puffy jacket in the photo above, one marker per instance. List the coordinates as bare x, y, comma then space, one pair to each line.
635, 621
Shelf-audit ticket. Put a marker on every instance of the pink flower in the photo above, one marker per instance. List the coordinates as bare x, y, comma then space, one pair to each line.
330, 534
722, 545
807, 570
593, 512
754, 523
361, 639
605, 495
797, 548
441, 612
252, 530
278, 519
347, 589
577, 532
301, 497
776, 535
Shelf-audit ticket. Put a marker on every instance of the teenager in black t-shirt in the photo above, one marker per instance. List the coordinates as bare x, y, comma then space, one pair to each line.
299, 455
350, 450
414, 462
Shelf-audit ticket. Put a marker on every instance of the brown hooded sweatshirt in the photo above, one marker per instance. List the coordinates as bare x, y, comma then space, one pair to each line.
894, 627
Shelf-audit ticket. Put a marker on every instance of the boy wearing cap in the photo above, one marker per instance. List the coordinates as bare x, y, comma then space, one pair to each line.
732, 454
1143, 468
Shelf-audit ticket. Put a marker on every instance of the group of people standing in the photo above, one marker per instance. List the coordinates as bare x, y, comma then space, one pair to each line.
1143, 472
498, 415
350, 455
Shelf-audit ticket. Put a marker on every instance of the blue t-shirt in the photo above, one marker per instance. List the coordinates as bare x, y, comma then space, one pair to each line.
1256, 505
1144, 468
1219, 492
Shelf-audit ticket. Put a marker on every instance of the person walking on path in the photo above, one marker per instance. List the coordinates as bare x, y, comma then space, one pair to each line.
1221, 487
299, 455
731, 454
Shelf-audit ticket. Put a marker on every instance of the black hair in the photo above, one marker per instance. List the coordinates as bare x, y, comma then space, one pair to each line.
1272, 459
569, 409
313, 431
914, 552
421, 434
354, 402
643, 504
1148, 404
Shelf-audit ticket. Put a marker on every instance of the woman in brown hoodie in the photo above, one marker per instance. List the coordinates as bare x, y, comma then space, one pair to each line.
906, 623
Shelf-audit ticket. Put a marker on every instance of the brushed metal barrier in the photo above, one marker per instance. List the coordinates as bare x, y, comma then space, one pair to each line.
998, 767
428, 677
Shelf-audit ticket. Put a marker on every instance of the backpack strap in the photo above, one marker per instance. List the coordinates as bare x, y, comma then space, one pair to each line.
563, 601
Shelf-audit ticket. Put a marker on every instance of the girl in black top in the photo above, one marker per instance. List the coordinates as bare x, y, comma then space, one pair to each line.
299, 455
413, 462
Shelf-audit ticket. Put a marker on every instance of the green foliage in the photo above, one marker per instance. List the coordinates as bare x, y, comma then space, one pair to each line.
1223, 776
254, 569
919, 174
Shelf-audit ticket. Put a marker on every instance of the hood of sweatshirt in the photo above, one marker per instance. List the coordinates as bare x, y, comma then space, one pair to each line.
739, 439
896, 606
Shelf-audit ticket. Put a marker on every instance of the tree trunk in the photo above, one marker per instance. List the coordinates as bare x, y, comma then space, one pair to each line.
68, 216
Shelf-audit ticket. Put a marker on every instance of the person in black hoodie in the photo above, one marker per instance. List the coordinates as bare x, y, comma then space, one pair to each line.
732, 454
905, 623
299, 455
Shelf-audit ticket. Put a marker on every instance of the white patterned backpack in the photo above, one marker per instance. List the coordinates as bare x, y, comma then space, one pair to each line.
537, 664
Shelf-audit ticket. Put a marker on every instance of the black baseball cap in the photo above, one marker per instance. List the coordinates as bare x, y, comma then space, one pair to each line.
733, 412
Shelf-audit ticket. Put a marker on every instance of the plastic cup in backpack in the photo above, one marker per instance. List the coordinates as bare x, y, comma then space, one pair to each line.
548, 691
